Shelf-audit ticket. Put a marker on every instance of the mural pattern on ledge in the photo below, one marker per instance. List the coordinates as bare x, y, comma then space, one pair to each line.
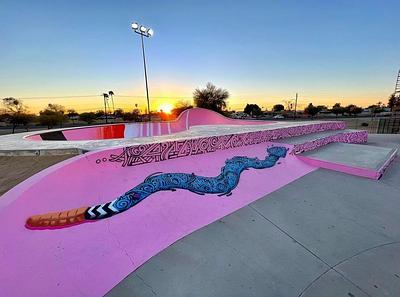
347, 137
222, 184
156, 152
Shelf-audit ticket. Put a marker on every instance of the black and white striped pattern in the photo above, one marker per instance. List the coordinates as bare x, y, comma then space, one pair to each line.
101, 211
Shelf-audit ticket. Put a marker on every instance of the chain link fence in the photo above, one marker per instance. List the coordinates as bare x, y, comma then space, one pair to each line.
389, 125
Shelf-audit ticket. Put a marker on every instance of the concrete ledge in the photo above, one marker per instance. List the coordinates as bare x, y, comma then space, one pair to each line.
361, 160
48, 152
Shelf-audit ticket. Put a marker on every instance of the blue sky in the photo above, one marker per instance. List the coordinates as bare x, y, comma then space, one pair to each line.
261, 51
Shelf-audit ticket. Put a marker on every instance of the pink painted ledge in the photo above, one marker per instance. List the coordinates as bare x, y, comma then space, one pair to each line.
352, 170
344, 137
160, 151
358, 171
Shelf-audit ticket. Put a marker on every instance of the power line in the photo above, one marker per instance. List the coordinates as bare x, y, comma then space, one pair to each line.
58, 97
92, 96
162, 97
126, 96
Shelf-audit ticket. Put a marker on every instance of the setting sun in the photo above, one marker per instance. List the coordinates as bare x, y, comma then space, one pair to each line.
165, 107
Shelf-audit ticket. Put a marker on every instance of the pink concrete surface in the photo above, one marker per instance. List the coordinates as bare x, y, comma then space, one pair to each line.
188, 118
89, 259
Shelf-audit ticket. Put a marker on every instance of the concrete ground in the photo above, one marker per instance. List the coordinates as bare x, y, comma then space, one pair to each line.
327, 234
16, 169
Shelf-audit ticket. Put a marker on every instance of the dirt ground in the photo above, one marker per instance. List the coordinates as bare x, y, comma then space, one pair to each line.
15, 169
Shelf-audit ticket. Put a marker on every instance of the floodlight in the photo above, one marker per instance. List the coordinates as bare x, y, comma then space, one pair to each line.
135, 26
143, 29
150, 32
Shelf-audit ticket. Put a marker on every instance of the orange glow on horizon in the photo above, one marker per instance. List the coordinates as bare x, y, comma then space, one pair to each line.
166, 107
166, 101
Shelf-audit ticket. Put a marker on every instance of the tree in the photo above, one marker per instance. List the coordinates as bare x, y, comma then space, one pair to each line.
111, 94
52, 115
16, 112
211, 97
376, 108
252, 109
338, 109
312, 110
133, 116
119, 112
88, 117
13, 105
180, 107
21, 118
100, 113
394, 102
72, 115
353, 109
278, 108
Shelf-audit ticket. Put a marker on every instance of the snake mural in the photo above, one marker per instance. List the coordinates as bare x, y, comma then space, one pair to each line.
223, 184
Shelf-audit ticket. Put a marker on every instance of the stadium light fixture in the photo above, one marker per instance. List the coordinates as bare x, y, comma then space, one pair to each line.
146, 32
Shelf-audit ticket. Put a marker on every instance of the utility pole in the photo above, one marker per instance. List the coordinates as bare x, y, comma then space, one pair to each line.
295, 108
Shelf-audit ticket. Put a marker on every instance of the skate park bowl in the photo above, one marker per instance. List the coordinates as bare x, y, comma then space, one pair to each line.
71, 216
187, 119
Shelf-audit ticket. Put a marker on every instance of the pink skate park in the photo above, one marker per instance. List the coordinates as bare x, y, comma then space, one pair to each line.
183, 208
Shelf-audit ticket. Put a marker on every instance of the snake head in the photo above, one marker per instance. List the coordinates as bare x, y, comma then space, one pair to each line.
277, 151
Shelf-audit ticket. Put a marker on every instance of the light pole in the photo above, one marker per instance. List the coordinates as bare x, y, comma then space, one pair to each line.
146, 32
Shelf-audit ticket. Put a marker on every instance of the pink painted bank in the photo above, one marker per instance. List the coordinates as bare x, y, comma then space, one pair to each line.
79, 227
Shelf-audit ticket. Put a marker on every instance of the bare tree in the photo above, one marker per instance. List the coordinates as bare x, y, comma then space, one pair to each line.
211, 97
13, 105
16, 112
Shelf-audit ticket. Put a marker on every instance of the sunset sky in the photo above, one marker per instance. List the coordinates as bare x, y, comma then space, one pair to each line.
70, 52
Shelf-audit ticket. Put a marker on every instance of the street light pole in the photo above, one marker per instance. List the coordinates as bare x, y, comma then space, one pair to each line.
295, 107
144, 32
145, 77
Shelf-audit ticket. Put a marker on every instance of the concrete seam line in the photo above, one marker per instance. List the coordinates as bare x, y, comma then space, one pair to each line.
302, 245
353, 283
363, 251
287, 234
146, 284
313, 281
